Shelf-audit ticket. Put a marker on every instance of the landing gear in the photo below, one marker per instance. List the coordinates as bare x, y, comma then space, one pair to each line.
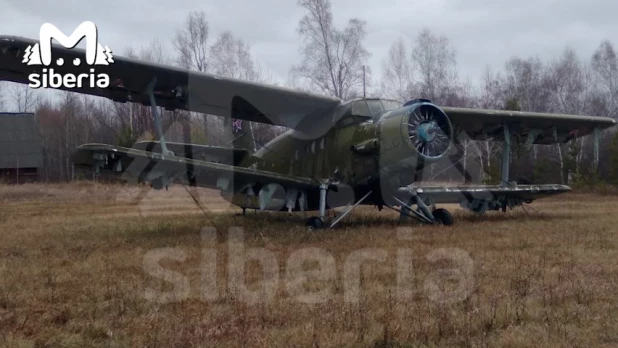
315, 223
443, 217
426, 213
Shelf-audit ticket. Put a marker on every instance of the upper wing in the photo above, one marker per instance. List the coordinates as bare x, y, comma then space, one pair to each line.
537, 128
141, 165
175, 88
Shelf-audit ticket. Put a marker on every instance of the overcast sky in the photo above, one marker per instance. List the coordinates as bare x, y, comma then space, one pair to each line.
483, 32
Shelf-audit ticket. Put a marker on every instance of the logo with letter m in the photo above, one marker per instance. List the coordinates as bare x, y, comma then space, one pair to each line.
41, 53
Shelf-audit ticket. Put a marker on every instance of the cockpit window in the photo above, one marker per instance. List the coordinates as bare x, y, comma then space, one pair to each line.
376, 107
391, 105
359, 108
362, 109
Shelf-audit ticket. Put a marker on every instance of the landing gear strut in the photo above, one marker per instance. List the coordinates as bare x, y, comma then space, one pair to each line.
317, 222
423, 213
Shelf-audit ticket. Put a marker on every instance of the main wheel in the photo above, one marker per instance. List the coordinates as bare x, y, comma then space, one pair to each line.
443, 217
315, 223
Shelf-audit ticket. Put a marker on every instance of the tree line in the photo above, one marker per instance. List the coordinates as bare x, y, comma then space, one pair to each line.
333, 62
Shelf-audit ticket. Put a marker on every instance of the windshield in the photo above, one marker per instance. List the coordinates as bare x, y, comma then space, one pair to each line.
391, 105
376, 107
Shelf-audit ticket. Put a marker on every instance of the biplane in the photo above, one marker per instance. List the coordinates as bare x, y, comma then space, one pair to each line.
335, 153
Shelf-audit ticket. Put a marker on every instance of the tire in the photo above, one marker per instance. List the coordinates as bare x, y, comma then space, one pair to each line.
443, 217
315, 223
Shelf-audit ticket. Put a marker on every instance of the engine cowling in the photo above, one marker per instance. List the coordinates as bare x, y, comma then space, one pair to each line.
410, 136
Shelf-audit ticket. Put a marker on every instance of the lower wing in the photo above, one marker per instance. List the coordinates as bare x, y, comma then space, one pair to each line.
480, 198
139, 165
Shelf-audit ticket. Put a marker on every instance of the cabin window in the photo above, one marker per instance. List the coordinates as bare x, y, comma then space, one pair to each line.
322, 144
313, 147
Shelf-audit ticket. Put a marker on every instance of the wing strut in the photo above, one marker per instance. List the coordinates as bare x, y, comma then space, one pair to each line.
422, 214
157, 117
506, 155
349, 209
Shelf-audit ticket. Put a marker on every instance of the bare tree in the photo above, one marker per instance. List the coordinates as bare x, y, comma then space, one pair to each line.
605, 65
295, 81
490, 98
191, 42
397, 76
230, 56
434, 61
154, 52
569, 87
24, 98
526, 82
333, 60
193, 52
568, 84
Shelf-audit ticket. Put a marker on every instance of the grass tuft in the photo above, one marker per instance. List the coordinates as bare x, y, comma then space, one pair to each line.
72, 274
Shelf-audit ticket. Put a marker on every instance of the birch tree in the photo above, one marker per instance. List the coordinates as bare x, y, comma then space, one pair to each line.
568, 84
397, 73
193, 52
605, 65
191, 42
333, 59
435, 65
490, 97
525, 81
231, 57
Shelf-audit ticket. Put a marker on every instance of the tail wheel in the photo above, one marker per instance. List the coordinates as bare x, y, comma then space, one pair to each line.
443, 217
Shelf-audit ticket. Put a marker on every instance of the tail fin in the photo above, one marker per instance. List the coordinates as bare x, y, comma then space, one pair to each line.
242, 131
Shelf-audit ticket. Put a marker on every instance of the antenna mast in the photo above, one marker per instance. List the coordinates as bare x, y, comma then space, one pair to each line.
364, 92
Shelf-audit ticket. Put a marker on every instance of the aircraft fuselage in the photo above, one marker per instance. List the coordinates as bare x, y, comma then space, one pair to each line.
362, 153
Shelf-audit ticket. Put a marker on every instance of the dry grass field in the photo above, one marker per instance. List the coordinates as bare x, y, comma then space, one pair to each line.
73, 274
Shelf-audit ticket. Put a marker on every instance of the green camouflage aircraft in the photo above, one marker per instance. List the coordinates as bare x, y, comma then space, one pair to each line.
335, 154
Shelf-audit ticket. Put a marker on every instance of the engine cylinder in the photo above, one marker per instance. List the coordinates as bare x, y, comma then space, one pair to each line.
410, 136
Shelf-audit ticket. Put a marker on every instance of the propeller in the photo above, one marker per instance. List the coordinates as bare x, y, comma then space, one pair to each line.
429, 130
